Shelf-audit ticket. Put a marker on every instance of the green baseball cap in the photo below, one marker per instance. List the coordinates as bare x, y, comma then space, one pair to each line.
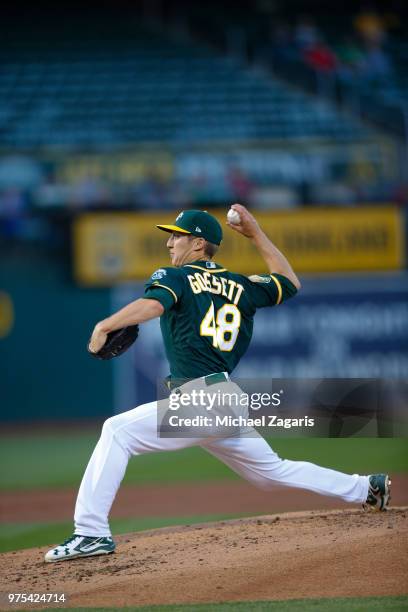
197, 222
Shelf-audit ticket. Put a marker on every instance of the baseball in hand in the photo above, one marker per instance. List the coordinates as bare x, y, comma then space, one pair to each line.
233, 217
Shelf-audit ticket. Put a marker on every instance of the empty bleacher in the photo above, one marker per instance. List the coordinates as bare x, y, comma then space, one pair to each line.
146, 88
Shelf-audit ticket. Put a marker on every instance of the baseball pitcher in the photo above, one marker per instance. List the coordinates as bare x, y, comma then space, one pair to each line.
206, 318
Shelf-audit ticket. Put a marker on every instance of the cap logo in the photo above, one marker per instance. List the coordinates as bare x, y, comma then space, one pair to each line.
179, 216
198, 229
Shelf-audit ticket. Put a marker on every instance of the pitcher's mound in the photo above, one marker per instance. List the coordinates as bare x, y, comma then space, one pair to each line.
306, 554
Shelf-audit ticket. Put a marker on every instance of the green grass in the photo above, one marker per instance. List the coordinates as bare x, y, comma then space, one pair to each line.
15, 536
59, 459
343, 604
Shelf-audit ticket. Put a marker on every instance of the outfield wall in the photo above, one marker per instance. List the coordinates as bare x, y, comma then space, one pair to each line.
45, 323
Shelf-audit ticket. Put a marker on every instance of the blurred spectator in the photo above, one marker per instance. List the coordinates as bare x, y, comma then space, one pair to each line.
179, 196
376, 65
401, 194
201, 190
88, 192
333, 193
282, 46
52, 194
12, 203
320, 57
240, 185
154, 193
306, 33
12, 212
370, 26
350, 58
269, 197
17, 223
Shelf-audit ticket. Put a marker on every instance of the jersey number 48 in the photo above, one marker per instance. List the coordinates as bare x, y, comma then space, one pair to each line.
222, 326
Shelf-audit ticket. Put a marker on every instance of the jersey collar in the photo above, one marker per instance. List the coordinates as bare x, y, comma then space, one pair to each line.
205, 265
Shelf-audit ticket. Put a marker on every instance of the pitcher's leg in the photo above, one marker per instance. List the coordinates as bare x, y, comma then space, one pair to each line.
100, 482
124, 435
253, 458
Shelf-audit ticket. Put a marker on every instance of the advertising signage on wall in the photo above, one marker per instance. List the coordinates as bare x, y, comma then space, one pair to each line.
346, 327
114, 247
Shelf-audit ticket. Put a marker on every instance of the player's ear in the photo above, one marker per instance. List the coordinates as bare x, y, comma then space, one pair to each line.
198, 243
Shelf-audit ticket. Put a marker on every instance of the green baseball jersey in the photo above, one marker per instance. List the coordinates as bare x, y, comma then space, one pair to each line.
208, 314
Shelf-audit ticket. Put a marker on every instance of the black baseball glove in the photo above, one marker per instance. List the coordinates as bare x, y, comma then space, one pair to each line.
117, 342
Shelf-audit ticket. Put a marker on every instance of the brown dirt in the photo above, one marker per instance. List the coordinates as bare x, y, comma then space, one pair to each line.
188, 499
310, 554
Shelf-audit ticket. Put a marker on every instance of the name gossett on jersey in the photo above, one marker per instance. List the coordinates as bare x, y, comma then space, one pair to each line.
208, 314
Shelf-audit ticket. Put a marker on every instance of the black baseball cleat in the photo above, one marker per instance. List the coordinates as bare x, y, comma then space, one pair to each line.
379, 492
80, 546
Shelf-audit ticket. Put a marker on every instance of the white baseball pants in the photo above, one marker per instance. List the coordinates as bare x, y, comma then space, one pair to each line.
135, 432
